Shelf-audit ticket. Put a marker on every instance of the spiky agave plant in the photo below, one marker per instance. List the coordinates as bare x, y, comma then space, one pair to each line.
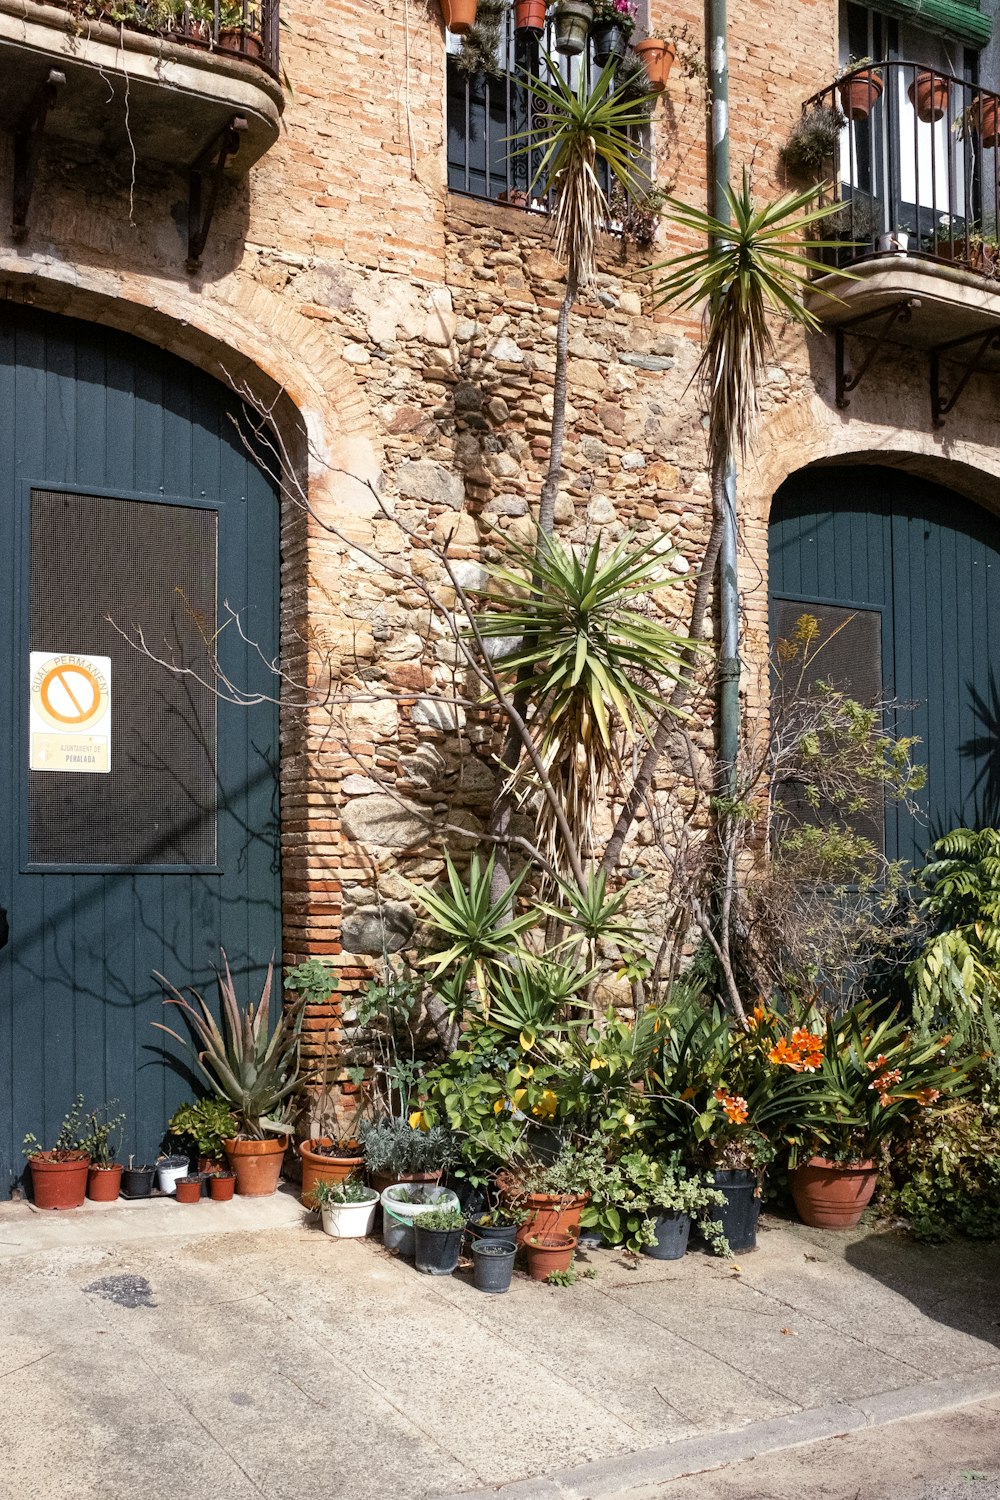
253, 1067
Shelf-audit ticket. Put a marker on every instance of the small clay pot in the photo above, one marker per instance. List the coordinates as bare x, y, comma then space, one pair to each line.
832, 1195
188, 1189
542, 1213
548, 1253
459, 15
860, 93
221, 1186
529, 15
318, 1166
104, 1183
657, 58
986, 119
928, 93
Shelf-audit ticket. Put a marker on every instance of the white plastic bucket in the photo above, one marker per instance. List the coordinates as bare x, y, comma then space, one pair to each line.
350, 1221
168, 1171
399, 1236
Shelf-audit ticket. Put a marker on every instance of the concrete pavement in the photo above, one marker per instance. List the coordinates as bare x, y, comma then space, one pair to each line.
177, 1352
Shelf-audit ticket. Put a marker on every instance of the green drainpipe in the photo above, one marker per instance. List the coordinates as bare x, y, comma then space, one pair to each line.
729, 588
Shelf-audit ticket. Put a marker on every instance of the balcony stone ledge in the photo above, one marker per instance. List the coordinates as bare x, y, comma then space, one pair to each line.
954, 303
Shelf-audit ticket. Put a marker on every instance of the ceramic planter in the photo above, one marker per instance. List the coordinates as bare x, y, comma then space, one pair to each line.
609, 40
529, 15
543, 1213
221, 1186
572, 18
672, 1232
493, 1265
257, 1165
137, 1182
459, 15
436, 1251
188, 1189
317, 1167
928, 93
169, 1170
59, 1184
741, 1210
104, 1183
657, 58
398, 1216
833, 1195
985, 119
859, 94
548, 1253
350, 1221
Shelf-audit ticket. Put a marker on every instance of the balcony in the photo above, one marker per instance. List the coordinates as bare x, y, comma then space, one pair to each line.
193, 84
915, 178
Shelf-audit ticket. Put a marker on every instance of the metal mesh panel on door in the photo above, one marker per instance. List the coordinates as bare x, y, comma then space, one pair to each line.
846, 653
98, 563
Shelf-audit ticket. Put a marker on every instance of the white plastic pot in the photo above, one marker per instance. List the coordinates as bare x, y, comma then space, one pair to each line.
399, 1236
168, 1171
350, 1221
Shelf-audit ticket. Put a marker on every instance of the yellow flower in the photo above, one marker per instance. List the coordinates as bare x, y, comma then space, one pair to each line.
499, 1106
597, 1062
546, 1106
517, 1096
418, 1120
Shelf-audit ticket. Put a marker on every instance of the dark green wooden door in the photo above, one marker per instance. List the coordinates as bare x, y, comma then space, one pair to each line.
128, 504
918, 568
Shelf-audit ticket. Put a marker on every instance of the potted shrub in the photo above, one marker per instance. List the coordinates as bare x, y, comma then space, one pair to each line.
657, 54
437, 1235
549, 1199
253, 1067
188, 1189
221, 1186
812, 144
648, 1205
572, 23
137, 1181
493, 1227
612, 24
529, 15
459, 15
405, 1202
104, 1178
396, 1151
205, 1126
928, 93
874, 1078
347, 1208
860, 88
59, 1174
493, 1265
548, 1253
239, 32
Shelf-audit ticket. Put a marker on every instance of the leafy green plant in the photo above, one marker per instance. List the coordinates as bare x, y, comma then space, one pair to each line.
812, 142
253, 1067
313, 980
943, 1174
396, 1148
102, 1136
72, 1137
480, 48
473, 932
441, 1218
336, 1194
206, 1124
637, 1189
569, 1277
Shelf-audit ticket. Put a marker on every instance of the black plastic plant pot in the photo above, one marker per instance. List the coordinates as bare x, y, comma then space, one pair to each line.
487, 1233
137, 1182
741, 1210
437, 1250
493, 1265
671, 1231
609, 41
572, 21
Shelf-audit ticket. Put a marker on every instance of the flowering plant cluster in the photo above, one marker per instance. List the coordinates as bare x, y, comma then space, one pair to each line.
618, 12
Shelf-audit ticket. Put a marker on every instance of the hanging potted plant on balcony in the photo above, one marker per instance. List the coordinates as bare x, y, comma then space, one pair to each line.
982, 115
811, 147
459, 15
860, 88
612, 25
572, 18
656, 54
239, 31
928, 93
529, 15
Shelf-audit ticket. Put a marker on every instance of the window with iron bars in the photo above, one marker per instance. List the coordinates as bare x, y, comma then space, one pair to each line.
487, 111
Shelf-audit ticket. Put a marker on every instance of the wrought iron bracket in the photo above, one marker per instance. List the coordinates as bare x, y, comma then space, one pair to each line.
886, 318
28, 134
982, 342
202, 196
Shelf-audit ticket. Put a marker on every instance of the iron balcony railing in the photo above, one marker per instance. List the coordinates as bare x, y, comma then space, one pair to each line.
916, 167
245, 28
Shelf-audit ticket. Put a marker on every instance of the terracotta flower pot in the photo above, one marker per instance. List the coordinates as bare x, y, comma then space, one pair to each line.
221, 1186
548, 1253
235, 39
928, 93
543, 1213
208, 1164
188, 1189
257, 1165
104, 1183
833, 1195
529, 15
859, 94
459, 15
985, 119
317, 1168
657, 58
59, 1184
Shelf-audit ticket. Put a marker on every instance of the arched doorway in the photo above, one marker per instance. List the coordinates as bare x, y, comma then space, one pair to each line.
912, 572
128, 501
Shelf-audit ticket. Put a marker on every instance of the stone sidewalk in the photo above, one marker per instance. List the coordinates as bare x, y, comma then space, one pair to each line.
173, 1353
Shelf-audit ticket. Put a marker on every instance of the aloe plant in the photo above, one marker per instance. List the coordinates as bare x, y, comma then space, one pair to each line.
249, 1064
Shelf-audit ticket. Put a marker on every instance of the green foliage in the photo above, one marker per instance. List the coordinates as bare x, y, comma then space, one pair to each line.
395, 1148
480, 48
812, 142
314, 981
473, 932
206, 1124
635, 1190
251, 1066
943, 1175
599, 917
102, 1136
440, 1218
72, 1137
336, 1194
570, 1276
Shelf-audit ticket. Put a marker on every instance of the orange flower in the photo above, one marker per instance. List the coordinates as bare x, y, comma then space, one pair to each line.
759, 1012
784, 1052
734, 1107
927, 1096
803, 1052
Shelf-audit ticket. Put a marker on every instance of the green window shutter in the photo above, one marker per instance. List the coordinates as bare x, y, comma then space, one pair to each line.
961, 20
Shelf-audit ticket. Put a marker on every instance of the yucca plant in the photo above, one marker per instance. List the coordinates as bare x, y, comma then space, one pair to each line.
246, 1062
596, 916
473, 932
